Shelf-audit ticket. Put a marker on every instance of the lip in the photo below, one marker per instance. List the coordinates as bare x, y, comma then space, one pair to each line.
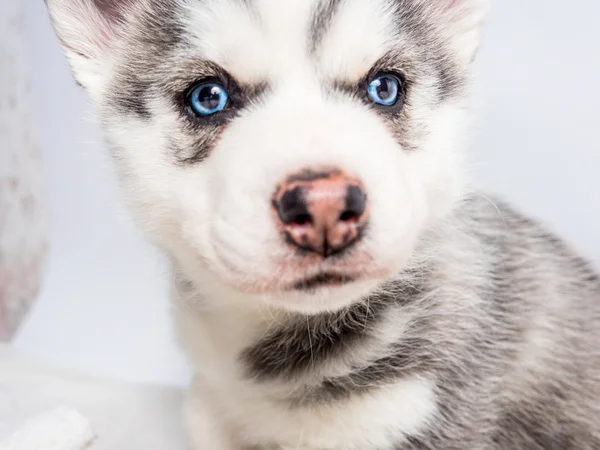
320, 280
309, 283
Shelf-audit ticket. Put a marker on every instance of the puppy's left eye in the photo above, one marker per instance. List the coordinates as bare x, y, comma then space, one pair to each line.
385, 89
207, 99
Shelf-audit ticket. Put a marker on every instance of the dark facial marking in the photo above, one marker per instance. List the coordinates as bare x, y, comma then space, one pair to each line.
322, 17
198, 147
159, 35
416, 24
134, 100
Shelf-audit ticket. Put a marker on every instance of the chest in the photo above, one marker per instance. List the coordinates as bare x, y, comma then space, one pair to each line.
378, 420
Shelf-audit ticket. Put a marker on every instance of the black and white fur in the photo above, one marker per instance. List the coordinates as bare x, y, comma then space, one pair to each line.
470, 328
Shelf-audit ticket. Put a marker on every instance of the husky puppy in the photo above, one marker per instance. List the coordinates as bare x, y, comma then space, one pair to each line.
337, 284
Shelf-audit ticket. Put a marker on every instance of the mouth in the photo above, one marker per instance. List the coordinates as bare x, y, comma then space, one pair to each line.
323, 279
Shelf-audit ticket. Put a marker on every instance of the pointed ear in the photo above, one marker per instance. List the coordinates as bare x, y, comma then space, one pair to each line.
88, 30
463, 20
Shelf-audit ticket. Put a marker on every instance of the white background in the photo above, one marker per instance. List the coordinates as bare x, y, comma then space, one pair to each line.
104, 305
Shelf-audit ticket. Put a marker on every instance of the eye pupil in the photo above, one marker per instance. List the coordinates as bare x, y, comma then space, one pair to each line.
383, 89
208, 98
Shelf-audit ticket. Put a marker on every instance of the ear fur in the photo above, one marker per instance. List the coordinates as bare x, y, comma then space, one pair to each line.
464, 20
461, 21
88, 30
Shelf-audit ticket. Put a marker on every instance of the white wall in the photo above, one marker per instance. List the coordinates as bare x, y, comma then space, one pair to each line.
104, 305
538, 141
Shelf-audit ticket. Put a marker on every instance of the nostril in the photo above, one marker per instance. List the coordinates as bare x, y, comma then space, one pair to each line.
349, 216
356, 203
292, 208
302, 219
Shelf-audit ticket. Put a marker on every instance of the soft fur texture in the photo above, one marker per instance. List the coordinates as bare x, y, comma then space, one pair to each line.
467, 326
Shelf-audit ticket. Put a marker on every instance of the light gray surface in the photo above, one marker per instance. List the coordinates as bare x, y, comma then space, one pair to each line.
123, 416
104, 305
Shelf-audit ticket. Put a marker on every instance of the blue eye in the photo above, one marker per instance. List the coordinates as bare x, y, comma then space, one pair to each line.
385, 90
208, 98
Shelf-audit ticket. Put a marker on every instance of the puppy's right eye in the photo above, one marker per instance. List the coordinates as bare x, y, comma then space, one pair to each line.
207, 99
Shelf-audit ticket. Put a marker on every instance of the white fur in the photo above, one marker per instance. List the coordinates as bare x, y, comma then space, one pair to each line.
377, 421
215, 217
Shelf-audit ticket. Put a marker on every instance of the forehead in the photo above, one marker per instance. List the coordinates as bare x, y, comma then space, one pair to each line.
267, 39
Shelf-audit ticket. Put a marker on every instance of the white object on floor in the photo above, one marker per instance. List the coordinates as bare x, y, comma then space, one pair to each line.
60, 429
124, 416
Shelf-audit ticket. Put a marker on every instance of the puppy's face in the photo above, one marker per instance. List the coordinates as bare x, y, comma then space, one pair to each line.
283, 151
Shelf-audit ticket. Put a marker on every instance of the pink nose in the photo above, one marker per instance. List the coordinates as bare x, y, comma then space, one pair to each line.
322, 212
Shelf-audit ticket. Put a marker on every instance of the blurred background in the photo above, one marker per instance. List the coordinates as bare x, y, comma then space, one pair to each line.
97, 295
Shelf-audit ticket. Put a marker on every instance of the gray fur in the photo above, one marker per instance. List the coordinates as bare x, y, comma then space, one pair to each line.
113, 9
322, 17
489, 398
419, 28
